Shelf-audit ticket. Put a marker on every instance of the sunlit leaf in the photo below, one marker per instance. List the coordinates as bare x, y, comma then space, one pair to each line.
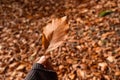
55, 33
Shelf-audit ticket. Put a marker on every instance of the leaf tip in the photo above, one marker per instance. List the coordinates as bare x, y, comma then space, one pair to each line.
64, 18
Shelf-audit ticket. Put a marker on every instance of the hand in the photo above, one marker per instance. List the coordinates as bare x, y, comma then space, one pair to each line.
44, 60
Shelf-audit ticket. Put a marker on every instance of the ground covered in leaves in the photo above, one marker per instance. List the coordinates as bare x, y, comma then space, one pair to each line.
92, 51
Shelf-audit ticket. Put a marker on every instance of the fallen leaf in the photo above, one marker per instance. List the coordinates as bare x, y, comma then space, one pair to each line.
72, 76
117, 73
54, 34
13, 65
81, 73
20, 67
70, 61
103, 65
117, 50
105, 35
61, 67
83, 66
78, 47
74, 66
20, 74
98, 49
104, 13
0, 47
14, 73
102, 42
2, 69
111, 59
106, 77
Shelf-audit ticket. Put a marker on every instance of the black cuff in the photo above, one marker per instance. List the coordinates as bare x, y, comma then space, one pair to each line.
38, 72
38, 66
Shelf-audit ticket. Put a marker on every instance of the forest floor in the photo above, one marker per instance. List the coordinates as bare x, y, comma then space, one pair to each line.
92, 51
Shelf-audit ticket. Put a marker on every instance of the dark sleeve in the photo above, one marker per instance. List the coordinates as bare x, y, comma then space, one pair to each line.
38, 72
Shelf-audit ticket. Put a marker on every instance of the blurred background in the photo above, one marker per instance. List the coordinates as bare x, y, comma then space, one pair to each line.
92, 51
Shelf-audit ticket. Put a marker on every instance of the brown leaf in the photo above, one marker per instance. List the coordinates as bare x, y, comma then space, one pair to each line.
2, 69
70, 61
117, 73
20, 67
111, 59
72, 76
55, 33
103, 65
14, 73
107, 34
106, 77
81, 73
13, 65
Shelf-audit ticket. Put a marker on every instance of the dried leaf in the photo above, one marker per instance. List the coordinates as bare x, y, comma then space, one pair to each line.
70, 61
13, 65
103, 65
105, 35
83, 66
81, 73
61, 67
55, 33
20, 67
117, 73
111, 59
72, 76
0, 47
14, 73
2, 70
106, 77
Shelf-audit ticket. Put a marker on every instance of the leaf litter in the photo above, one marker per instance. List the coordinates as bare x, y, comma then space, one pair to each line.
92, 49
